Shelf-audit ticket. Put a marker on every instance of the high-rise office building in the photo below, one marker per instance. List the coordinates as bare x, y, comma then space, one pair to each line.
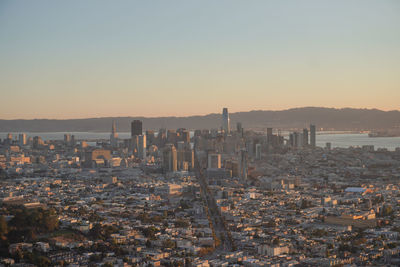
184, 135
296, 139
197, 133
300, 140
250, 147
189, 157
243, 164
239, 127
73, 140
269, 136
67, 139
136, 128
97, 157
150, 137
181, 145
313, 142
291, 139
258, 151
22, 139
225, 121
37, 142
161, 137
214, 133
114, 135
214, 161
134, 145
180, 156
170, 161
305, 137
185, 156
141, 151
114, 128
9, 139
172, 136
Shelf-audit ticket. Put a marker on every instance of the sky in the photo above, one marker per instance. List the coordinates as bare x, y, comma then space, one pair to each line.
82, 59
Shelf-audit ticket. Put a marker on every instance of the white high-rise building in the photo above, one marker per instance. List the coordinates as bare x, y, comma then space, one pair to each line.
225, 121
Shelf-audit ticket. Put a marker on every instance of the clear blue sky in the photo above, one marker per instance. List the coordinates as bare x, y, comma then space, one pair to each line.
74, 59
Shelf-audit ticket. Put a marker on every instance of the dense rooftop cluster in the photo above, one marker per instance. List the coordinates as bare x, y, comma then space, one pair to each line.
202, 198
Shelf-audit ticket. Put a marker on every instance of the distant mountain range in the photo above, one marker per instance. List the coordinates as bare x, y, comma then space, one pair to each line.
326, 118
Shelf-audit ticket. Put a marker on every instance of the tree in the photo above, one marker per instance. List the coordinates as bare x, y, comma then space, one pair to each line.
95, 258
150, 232
96, 232
42, 261
319, 233
3, 226
180, 223
188, 261
205, 250
387, 210
39, 220
148, 244
276, 241
144, 217
168, 243
306, 204
49, 221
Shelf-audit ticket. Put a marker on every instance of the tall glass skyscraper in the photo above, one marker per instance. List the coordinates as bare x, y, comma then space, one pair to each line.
225, 121
136, 128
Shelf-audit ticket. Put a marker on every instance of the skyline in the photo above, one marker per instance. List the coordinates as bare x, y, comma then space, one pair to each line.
203, 114
140, 59
374, 121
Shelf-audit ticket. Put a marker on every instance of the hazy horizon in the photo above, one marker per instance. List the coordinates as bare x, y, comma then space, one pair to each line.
198, 115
